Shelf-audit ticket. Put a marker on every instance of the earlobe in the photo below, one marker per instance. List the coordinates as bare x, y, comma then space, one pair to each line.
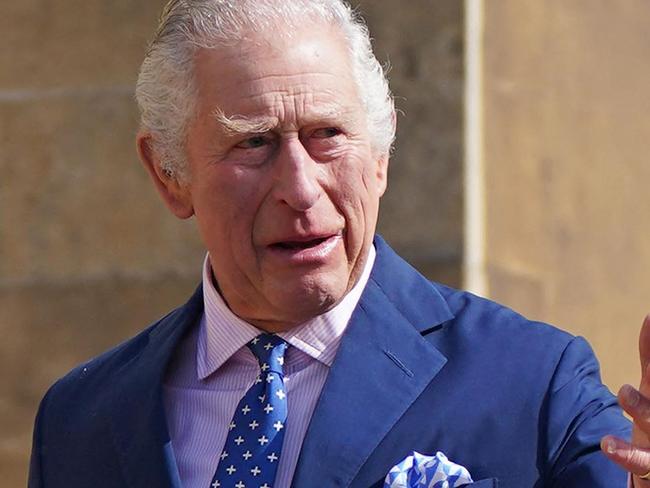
176, 195
382, 173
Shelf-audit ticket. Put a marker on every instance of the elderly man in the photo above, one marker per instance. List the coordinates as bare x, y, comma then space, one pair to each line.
312, 355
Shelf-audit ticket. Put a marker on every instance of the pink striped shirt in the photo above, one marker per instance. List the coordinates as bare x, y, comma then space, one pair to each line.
212, 369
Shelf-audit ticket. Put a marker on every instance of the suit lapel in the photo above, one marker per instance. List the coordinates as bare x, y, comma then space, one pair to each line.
382, 366
137, 418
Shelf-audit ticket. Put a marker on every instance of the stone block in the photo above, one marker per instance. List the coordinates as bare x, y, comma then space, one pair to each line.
58, 45
74, 200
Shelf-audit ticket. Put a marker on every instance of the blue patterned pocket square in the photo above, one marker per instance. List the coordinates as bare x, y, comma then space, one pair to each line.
420, 471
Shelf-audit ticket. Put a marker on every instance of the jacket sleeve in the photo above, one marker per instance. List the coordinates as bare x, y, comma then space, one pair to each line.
36, 479
578, 411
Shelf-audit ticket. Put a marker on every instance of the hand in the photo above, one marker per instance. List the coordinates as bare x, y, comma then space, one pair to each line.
635, 457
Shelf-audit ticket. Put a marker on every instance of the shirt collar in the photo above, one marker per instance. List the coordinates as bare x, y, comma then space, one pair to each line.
222, 333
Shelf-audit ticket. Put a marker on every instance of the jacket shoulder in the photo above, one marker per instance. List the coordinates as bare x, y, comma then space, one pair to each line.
87, 392
77, 416
483, 317
108, 363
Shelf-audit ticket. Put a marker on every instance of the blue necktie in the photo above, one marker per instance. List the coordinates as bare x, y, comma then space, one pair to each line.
255, 434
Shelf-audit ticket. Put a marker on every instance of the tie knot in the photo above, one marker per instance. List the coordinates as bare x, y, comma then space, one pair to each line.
269, 350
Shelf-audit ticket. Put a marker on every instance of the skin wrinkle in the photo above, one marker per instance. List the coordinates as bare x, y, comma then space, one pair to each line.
329, 115
232, 124
239, 125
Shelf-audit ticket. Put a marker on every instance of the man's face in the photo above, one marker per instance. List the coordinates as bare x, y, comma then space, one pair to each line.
283, 182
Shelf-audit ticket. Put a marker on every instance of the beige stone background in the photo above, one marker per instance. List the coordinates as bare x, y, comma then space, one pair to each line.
88, 255
567, 172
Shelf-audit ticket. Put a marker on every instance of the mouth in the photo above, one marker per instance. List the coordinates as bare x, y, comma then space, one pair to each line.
310, 249
297, 245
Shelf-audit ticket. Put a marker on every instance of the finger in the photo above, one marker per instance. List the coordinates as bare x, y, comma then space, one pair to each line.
637, 406
644, 346
629, 457
644, 385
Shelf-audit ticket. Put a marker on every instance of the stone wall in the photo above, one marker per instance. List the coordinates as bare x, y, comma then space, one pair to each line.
566, 138
422, 212
88, 254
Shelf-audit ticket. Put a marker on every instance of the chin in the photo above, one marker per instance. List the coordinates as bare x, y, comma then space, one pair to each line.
308, 299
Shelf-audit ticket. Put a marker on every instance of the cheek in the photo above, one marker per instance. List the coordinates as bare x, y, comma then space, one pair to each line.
355, 183
228, 202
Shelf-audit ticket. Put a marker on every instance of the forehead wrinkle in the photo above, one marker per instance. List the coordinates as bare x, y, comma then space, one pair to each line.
242, 124
308, 108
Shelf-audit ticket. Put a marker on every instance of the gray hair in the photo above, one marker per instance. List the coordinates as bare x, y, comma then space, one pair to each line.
166, 92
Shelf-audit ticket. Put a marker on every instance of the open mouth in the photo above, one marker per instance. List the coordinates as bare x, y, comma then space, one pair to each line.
300, 245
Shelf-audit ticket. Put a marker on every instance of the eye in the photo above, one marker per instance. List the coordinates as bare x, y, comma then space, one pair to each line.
253, 142
326, 133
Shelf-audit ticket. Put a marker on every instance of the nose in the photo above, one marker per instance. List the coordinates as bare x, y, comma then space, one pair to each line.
296, 176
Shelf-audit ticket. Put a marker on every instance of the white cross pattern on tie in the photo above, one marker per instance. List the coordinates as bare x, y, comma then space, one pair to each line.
256, 433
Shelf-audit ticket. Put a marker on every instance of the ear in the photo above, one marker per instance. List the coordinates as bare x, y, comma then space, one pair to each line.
382, 173
382, 163
176, 195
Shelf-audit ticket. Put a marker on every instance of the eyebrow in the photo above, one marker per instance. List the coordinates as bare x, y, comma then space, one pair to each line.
242, 124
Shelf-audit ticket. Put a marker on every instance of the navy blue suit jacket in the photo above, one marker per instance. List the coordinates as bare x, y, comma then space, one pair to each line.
420, 367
